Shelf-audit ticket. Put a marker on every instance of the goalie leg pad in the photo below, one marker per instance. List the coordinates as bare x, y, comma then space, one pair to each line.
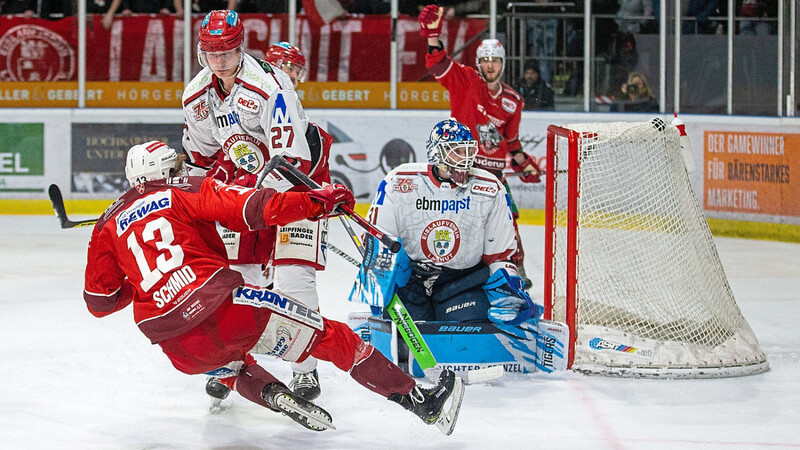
552, 346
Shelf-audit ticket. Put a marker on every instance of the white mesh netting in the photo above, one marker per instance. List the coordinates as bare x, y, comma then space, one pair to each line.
653, 299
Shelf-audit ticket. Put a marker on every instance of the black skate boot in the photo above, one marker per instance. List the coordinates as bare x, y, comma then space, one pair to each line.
526, 282
306, 385
438, 405
218, 392
302, 411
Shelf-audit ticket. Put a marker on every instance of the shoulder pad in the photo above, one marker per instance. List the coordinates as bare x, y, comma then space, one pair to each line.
411, 167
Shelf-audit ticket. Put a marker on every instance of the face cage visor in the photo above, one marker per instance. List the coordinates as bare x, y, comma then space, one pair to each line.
295, 71
456, 158
228, 56
458, 155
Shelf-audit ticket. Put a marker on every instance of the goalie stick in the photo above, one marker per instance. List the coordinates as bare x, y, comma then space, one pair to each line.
412, 336
57, 200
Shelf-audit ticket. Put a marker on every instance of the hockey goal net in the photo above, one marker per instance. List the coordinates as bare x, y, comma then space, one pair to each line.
630, 264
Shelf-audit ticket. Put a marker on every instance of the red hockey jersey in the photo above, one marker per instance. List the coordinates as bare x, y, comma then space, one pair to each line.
492, 118
157, 246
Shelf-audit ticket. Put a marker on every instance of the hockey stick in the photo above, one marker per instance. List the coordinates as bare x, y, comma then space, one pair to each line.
57, 200
522, 174
413, 337
405, 325
344, 255
295, 173
353, 235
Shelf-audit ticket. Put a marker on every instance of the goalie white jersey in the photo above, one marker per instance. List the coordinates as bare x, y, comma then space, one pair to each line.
261, 117
442, 223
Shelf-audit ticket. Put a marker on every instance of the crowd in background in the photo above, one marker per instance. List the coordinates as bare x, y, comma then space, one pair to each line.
617, 25
633, 16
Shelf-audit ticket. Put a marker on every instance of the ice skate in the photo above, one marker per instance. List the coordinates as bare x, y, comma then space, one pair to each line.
306, 385
302, 411
438, 405
218, 392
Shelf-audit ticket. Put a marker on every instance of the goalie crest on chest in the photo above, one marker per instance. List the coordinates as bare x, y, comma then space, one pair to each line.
440, 240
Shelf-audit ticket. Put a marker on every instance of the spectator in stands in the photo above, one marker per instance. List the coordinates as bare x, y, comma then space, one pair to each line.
754, 9
257, 6
542, 34
701, 10
97, 6
206, 6
536, 94
636, 95
26, 8
57, 9
139, 7
629, 15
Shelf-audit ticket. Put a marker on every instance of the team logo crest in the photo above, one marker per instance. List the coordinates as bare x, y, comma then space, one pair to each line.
34, 53
246, 152
508, 105
201, 110
404, 185
489, 137
440, 240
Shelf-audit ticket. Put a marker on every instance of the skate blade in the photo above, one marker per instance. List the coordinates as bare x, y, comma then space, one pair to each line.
316, 419
484, 375
217, 406
447, 420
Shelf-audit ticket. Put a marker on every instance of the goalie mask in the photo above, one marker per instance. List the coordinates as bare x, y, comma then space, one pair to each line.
152, 160
490, 48
288, 58
220, 39
452, 149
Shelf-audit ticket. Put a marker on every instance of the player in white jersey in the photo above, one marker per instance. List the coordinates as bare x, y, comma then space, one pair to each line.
456, 226
238, 113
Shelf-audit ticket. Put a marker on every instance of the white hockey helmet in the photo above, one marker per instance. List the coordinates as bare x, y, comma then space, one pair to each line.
153, 160
490, 48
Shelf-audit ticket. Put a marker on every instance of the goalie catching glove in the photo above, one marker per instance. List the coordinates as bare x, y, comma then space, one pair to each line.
430, 21
331, 197
530, 170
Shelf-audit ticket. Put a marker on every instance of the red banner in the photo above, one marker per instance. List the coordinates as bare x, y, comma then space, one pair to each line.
150, 47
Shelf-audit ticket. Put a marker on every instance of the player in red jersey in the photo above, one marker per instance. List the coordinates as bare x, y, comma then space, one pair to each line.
288, 58
156, 247
490, 108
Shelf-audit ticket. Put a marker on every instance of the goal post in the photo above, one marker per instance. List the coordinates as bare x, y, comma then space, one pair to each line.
630, 264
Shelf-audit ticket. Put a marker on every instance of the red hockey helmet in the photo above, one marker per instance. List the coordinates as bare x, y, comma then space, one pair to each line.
286, 56
283, 52
221, 31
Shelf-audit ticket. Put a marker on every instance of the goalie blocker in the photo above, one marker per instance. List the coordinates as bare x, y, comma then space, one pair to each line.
465, 347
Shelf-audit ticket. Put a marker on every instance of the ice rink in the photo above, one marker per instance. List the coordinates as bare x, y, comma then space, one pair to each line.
72, 381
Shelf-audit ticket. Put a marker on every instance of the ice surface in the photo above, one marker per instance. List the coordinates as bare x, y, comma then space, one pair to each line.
75, 381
